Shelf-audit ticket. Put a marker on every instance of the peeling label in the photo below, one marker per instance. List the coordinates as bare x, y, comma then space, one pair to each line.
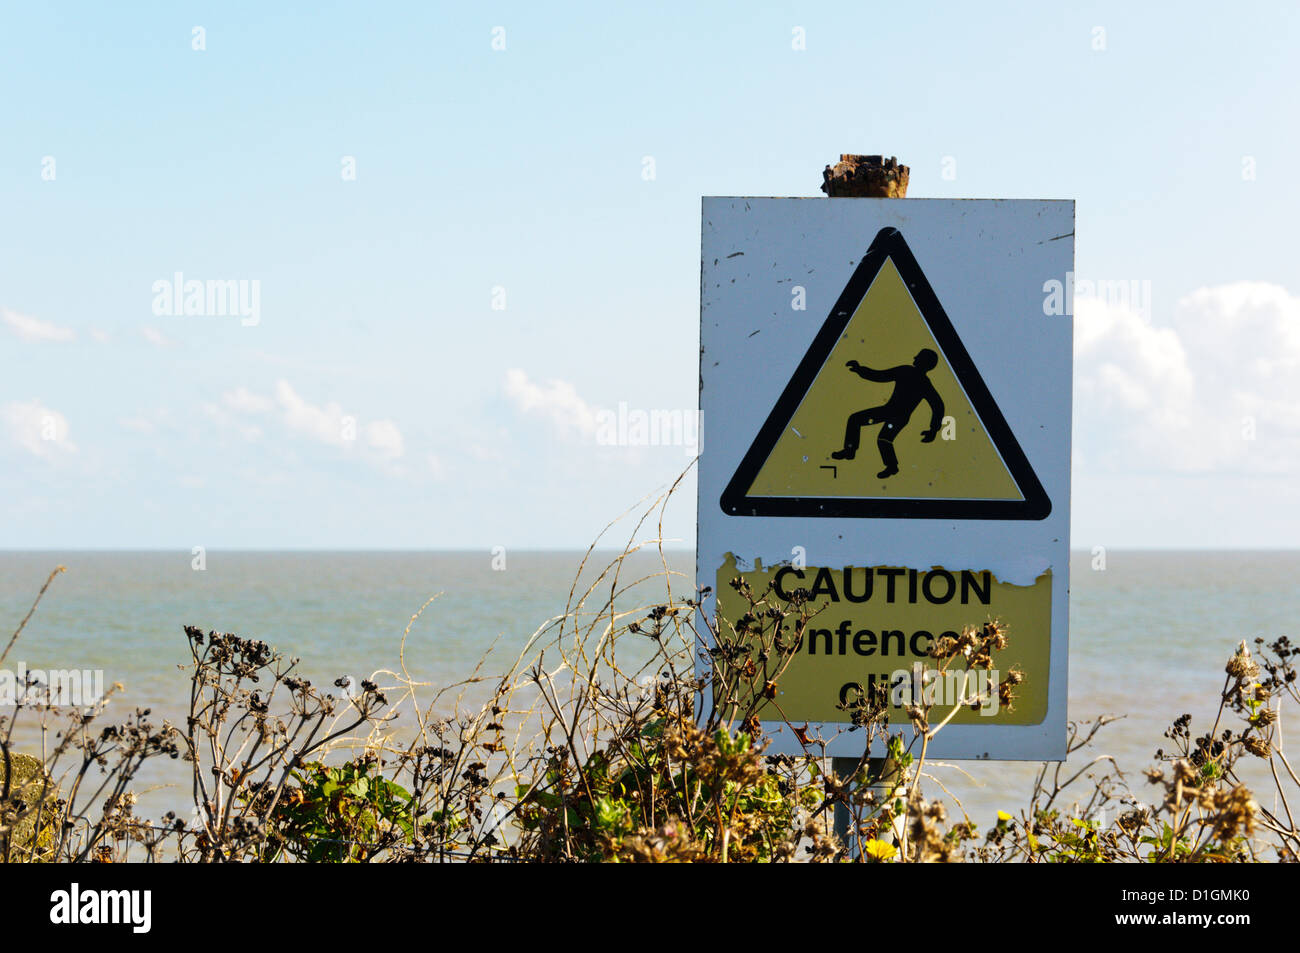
871, 625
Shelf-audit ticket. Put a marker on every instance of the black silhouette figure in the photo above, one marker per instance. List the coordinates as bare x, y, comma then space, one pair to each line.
911, 386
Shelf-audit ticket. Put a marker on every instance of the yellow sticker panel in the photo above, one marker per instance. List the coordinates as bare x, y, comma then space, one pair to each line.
875, 623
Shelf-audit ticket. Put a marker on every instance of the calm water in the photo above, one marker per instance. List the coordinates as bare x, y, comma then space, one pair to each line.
1149, 635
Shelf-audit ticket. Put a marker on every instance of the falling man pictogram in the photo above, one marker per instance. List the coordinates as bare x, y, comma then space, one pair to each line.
911, 386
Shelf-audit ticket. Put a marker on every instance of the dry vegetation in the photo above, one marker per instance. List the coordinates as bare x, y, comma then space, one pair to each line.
578, 758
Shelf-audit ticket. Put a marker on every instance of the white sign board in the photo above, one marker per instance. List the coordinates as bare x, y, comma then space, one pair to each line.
886, 385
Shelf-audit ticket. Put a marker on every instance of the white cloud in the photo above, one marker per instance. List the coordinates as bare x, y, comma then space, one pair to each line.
244, 401
1218, 389
156, 337
101, 336
39, 430
34, 329
327, 424
379, 441
556, 401
385, 438
218, 415
490, 445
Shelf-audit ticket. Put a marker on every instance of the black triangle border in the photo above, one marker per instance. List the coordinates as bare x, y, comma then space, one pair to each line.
888, 244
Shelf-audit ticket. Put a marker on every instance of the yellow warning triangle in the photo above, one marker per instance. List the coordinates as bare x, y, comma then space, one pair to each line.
886, 416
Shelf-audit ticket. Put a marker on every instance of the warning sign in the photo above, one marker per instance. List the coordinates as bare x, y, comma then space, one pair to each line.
886, 416
888, 394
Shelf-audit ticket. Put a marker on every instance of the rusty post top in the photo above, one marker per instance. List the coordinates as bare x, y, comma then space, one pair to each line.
866, 177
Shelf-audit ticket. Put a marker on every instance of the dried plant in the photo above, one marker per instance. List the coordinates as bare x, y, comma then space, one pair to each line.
624, 731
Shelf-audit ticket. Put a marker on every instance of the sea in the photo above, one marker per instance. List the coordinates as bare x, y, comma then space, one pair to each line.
1150, 633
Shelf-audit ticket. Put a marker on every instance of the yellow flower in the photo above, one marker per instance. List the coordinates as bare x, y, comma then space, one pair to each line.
1003, 816
879, 850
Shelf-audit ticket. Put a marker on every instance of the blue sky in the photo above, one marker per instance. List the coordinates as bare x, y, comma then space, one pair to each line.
517, 177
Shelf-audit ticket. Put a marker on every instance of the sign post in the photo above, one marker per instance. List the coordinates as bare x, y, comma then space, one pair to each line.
889, 403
